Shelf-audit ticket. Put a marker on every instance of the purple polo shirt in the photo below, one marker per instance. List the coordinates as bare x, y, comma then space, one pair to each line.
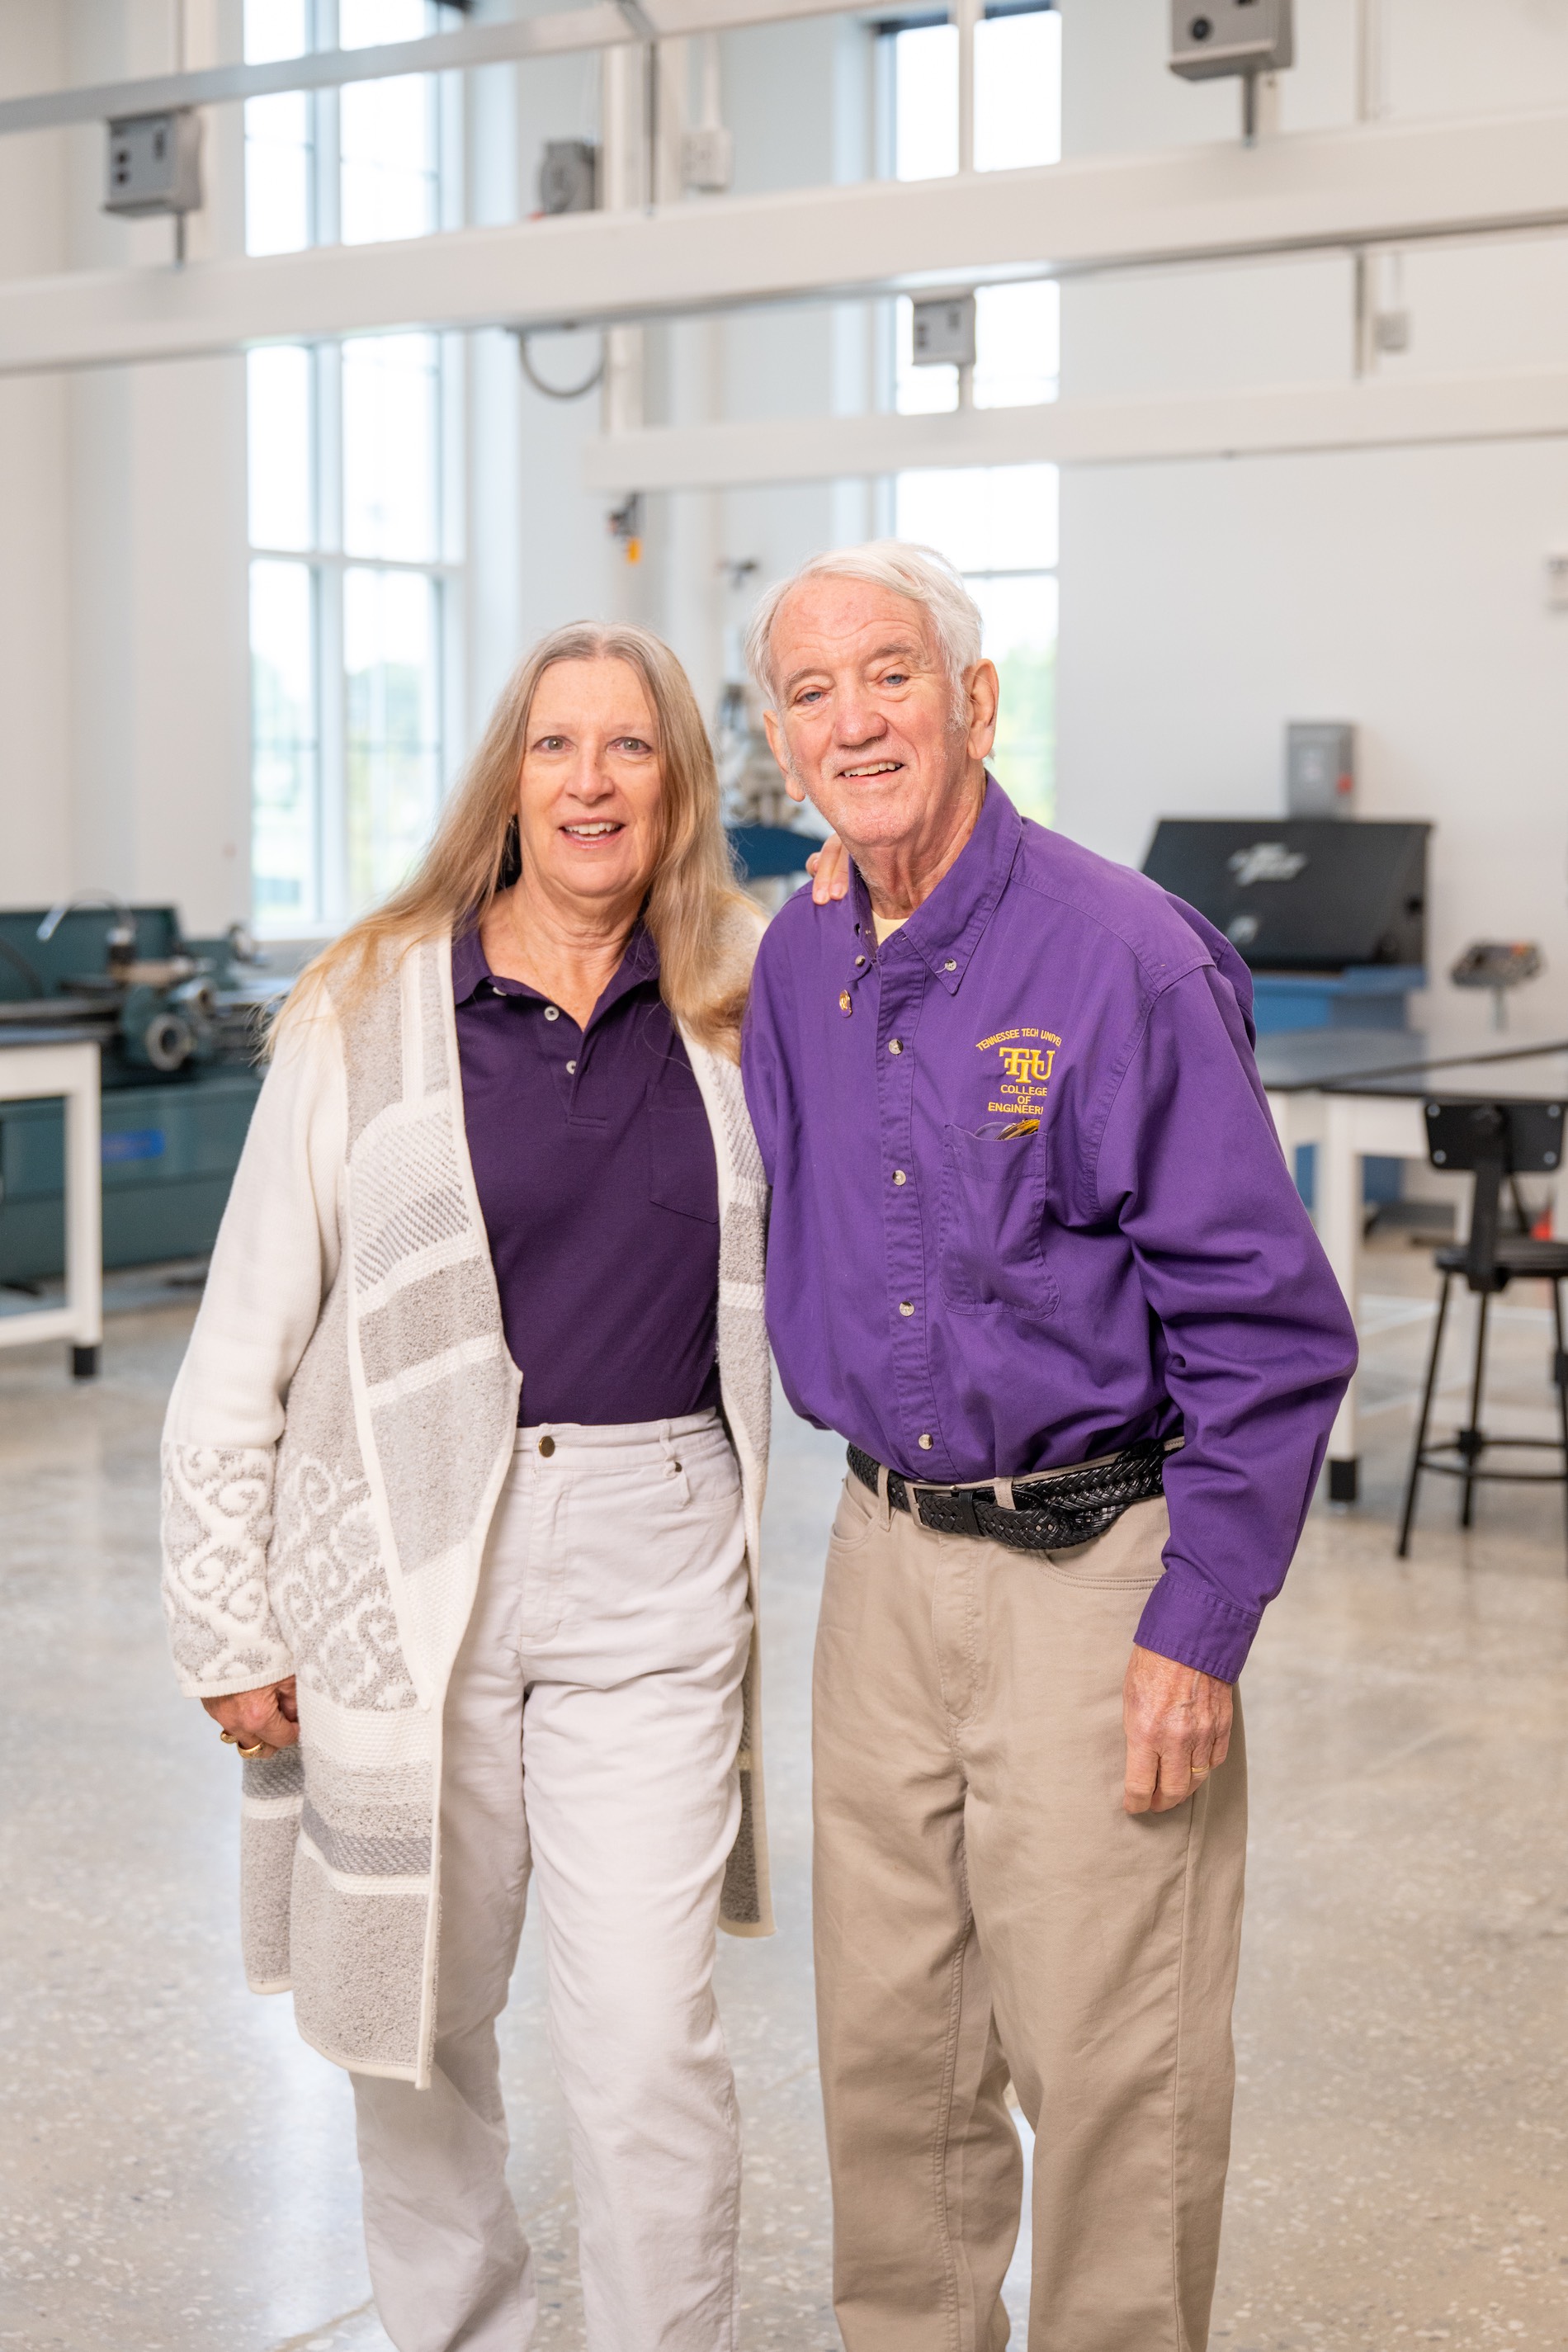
964, 1306
594, 1163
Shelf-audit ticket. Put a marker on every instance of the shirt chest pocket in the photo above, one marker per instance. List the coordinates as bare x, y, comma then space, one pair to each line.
992, 1253
683, 1175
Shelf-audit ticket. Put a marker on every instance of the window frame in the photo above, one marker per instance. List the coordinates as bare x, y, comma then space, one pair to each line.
325, 558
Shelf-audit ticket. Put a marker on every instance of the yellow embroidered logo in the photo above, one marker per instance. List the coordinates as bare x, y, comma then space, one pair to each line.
1026, 1057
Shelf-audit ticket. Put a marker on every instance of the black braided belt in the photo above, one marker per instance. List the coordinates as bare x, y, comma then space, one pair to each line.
1050, 1513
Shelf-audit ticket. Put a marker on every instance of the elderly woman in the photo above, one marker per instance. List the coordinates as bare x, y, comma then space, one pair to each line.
463, 1473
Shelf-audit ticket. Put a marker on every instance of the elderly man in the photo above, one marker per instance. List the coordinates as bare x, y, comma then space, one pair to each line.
1034, 1253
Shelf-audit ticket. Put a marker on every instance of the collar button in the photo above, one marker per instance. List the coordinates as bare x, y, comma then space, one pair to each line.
951, 965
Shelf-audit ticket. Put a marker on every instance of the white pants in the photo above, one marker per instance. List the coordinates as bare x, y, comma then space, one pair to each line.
591, 1732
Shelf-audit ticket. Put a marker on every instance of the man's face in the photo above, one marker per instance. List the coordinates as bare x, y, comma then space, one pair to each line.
864, 725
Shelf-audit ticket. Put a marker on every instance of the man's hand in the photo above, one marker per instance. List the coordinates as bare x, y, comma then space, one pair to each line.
270, 1715
1178, 1730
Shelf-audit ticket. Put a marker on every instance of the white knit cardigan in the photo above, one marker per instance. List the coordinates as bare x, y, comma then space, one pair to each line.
335, 1446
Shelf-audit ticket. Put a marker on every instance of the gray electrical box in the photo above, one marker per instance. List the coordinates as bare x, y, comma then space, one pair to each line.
944, 330
1320, 768
569, 176
1211, 38
155, 164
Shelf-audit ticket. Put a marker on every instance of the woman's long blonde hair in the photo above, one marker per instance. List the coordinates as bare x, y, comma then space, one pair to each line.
704, 929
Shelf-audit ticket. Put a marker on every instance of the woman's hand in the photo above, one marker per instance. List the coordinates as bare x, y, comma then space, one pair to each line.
829, 870
269, 1715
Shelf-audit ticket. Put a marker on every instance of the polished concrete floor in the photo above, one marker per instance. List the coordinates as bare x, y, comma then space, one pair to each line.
176, 2171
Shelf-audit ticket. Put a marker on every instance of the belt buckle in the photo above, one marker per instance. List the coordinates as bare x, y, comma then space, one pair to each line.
962, 1496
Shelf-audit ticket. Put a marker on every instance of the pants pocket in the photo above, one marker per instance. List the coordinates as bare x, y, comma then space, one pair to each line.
1130, 1553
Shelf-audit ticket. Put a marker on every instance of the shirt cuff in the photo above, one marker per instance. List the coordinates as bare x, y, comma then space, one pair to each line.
1184, 1618
252, 1677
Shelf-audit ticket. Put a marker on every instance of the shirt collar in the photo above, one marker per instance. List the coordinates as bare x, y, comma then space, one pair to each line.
945, 929
471, 971
469, 968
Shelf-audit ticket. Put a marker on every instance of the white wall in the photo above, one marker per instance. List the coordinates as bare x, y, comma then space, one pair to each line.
35, 742
1204, 604
124, 758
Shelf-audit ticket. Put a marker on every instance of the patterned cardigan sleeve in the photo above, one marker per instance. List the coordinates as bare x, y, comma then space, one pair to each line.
274, 1262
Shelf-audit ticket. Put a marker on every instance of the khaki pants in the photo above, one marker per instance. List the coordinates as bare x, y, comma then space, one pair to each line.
984, 1908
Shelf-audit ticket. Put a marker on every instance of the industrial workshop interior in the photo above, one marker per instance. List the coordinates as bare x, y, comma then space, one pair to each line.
1084, 479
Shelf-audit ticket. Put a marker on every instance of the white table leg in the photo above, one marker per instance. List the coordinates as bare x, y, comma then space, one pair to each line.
1338, 1219
37, 1069
84, 1226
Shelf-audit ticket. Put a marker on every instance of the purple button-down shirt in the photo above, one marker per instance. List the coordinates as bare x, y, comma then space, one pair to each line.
965, 1304
594, 1167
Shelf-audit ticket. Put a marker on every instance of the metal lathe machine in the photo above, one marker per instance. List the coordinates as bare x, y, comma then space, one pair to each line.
178, 1024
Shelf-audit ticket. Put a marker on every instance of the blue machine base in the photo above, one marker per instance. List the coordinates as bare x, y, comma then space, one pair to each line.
1362, 996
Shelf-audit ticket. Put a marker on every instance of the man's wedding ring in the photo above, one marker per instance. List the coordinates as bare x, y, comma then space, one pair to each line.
231, 1739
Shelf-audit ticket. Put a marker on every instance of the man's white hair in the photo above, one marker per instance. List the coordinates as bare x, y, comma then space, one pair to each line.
923, 575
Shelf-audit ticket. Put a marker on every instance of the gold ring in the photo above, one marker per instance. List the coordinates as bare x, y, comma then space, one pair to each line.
229, 1738
1198, 1771
259, 1749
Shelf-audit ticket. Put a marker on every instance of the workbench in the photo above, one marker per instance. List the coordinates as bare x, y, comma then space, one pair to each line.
64, 1065
1358, 1094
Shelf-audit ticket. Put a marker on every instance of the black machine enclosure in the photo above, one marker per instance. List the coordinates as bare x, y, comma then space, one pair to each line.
1300, 894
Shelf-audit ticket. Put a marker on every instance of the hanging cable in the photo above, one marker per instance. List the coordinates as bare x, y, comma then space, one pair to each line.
556, 390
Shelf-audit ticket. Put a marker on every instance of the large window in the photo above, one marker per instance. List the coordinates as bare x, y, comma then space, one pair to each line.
997, 524
370, 161
356, 559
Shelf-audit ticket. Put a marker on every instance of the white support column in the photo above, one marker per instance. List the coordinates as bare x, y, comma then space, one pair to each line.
625, 170
966, 15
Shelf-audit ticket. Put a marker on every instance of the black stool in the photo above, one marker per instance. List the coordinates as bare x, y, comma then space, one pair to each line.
1496, 1139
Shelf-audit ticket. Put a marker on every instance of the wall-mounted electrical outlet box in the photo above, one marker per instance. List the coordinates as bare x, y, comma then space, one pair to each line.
1211, 38
944, 330
154, 163
569, 176
1320, 768
706, 160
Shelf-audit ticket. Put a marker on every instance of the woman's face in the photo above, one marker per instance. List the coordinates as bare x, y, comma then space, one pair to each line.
588, 795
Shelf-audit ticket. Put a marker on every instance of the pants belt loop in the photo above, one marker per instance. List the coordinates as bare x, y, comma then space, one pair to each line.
1003, 1488
884, 1503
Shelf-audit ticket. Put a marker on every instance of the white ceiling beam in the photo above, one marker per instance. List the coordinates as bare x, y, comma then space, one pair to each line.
601, 25
1308, 192
1273, 421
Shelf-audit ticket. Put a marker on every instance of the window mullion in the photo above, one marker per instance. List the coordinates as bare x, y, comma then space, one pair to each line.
333, 820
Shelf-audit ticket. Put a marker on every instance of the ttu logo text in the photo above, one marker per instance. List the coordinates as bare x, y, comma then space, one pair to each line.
1022, 1072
